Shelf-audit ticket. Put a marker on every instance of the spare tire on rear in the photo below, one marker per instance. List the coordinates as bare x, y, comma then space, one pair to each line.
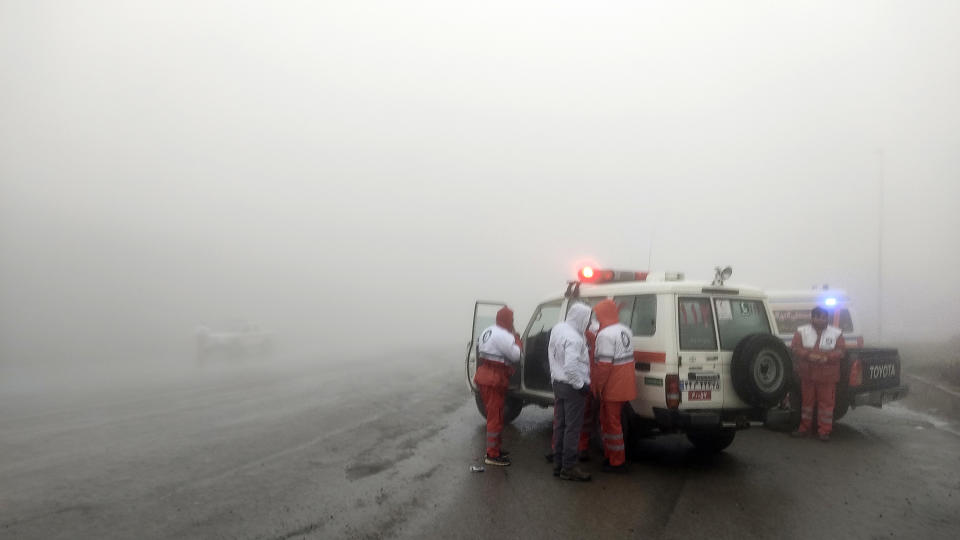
761, 370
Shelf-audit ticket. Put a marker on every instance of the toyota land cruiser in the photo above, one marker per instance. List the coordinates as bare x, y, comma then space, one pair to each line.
706, 359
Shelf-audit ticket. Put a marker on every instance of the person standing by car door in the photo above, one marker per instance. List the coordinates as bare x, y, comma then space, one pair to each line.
614, 381
499, 347
570, 374
590, 406
818, 349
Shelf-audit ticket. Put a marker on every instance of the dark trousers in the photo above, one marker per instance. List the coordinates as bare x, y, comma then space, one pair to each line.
568, 411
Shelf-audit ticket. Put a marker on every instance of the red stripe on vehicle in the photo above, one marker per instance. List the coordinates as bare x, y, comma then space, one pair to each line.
648, 357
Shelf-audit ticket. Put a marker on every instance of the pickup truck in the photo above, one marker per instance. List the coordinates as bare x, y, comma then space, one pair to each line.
868, 376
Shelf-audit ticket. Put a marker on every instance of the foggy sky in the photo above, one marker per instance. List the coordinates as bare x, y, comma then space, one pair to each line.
353, 175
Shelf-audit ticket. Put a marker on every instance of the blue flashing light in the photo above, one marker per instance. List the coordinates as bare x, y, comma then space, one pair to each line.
830, 301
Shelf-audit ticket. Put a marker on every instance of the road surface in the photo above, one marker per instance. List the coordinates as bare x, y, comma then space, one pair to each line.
381, 448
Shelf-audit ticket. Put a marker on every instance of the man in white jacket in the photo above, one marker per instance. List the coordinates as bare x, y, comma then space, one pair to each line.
570, 373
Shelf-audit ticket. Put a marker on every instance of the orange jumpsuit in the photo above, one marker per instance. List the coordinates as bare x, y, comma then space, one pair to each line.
817, 357
493, 374
614, 379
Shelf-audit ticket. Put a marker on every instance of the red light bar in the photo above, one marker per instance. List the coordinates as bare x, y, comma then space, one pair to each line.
588, 274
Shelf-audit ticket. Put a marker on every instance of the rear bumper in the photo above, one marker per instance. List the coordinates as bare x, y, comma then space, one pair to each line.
707, 419
876, 398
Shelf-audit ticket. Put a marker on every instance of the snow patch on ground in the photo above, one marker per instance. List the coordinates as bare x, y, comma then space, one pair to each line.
937, 422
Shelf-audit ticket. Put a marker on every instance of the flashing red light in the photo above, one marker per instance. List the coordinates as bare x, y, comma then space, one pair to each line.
588, 274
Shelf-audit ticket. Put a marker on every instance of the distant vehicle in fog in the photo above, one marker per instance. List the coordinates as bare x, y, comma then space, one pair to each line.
234, 340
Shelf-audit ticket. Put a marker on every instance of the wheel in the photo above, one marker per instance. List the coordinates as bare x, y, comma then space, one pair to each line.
795, 399
712, 441
786, 415
842, 403
794, 403
841, 407
761, 369
511, 407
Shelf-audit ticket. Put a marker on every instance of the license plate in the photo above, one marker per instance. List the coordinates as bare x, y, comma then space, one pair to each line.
882, 371
703, 381
699, 395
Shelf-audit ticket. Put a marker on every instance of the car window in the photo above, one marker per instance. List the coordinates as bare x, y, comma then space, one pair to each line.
844, 321
538, 334
695, 320
482, 322
544, 318
643, 321
788, 320
738, 318
485, 315
624, 309
588, 300
637, 312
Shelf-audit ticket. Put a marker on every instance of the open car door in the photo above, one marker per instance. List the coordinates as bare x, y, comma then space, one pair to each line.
484, 315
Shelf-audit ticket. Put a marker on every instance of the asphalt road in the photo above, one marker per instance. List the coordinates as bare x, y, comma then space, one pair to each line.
382, 449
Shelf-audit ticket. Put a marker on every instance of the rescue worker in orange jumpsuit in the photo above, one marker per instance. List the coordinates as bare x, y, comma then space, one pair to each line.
818, 349
614, 381
499, 347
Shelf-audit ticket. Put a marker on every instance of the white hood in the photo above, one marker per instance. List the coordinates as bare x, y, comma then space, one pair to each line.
569, 362
578, 316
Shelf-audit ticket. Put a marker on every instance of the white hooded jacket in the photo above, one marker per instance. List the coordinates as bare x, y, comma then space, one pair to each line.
498, 345
569, 361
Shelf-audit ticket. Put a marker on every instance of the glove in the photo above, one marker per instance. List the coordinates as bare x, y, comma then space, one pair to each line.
584, 390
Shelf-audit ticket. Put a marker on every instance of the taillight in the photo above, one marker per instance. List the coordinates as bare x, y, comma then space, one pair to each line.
856, 373
672, 385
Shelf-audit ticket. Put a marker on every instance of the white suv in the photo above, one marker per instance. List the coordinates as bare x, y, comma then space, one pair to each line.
707, 362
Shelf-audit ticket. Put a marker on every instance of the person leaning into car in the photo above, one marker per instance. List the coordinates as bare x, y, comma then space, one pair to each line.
499, 347
818, 349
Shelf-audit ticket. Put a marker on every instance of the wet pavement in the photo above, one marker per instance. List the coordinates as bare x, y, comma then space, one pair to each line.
383, 449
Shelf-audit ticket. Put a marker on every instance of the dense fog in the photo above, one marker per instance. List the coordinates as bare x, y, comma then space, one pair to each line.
351, 176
